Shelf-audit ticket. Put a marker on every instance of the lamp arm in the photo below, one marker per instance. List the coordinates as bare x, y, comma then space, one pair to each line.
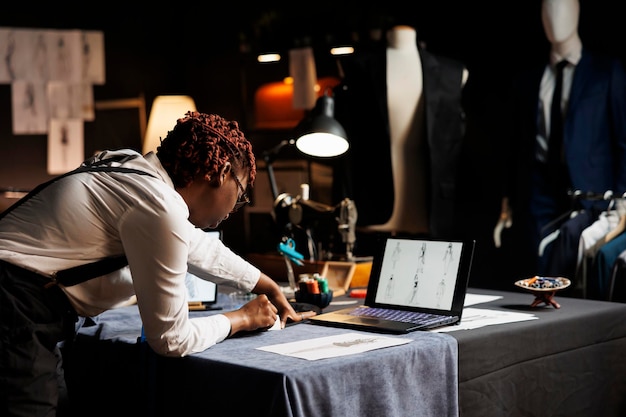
317, 207
270, 173
269, 157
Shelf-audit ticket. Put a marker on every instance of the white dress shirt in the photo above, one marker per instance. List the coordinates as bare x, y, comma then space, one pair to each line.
546, 90
88, 216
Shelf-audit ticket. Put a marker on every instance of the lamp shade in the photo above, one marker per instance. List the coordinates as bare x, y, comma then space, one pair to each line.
321, 135
166, 110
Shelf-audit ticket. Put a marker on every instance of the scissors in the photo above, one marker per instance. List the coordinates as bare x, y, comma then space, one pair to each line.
288, 249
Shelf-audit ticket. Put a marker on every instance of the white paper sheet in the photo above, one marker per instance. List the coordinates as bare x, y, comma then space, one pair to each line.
472, 299
474, 318
333, 346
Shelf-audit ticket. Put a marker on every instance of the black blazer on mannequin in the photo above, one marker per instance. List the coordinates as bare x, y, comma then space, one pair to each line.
365, 174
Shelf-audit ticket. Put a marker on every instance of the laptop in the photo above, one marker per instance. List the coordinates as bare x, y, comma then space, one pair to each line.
202, 294
415, 284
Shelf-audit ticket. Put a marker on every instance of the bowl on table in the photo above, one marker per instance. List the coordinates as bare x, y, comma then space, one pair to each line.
544, 288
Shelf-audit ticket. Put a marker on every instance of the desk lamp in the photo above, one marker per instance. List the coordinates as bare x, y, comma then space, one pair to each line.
319, 135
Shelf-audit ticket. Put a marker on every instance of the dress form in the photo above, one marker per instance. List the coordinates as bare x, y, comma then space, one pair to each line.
407, 137
560, 23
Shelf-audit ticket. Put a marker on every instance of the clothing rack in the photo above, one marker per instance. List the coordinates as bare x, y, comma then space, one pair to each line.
576, 196
593, 196
617, 275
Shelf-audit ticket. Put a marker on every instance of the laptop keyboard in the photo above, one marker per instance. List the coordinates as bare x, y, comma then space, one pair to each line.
401, 316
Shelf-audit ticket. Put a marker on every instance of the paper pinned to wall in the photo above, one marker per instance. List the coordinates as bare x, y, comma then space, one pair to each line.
66, 149
30, 110
37, 62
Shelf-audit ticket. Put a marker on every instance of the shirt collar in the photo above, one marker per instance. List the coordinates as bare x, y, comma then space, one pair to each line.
152, 159
572, 54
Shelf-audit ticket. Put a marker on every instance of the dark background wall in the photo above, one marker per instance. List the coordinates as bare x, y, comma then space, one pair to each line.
207, 49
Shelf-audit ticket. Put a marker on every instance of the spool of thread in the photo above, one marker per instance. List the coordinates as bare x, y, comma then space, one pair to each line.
323, 284
312, 286
304, 191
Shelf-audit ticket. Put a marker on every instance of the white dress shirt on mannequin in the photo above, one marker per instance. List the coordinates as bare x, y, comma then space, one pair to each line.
560, 22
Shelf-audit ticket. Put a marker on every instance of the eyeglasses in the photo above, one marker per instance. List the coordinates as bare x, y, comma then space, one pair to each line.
243, 199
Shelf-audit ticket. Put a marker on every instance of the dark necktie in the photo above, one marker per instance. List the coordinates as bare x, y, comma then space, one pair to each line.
556, 119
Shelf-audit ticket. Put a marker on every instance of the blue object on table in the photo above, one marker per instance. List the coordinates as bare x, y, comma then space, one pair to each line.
288, 249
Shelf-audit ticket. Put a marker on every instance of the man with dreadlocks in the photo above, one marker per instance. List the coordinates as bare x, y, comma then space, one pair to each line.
127, 225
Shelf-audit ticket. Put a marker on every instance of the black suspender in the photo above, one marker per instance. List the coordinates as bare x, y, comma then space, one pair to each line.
81, 273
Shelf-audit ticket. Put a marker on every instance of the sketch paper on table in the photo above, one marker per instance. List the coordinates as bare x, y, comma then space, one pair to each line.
474, 318
334, 346
471, 299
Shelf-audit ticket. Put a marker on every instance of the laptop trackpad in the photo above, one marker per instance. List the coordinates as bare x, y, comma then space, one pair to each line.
365, 320
382, 325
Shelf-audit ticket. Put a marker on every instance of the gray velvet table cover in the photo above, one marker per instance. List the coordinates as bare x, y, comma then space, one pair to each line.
235, 379
570, 362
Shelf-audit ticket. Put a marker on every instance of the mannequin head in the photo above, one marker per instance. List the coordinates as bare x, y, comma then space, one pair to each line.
400, 35
560, 19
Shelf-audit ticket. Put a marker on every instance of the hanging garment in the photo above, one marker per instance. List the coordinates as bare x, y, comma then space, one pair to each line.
562, 257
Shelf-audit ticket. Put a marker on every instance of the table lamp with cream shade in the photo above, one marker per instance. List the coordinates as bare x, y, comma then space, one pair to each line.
166, 110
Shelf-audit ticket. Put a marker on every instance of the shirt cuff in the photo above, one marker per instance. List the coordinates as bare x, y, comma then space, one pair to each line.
222, 324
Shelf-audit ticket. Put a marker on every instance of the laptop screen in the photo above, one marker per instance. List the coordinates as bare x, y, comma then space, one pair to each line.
421, 275
198, 289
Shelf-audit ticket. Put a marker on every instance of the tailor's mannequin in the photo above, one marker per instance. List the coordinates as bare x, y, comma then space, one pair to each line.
406, 118
407, 135
560, 24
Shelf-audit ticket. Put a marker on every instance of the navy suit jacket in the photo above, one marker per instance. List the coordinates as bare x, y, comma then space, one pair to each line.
594, 138
365, 175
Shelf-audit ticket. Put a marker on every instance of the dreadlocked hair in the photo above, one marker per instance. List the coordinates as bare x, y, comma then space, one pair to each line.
201, 144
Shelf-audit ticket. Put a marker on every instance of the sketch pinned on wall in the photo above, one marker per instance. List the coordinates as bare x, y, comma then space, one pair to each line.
66, 148
38, 66
30, 112
30, 58
29, 55
47, 54
7, 55
65, 55
64, 100
93, 68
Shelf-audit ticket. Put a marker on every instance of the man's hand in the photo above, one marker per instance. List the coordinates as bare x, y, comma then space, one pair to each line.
504, 222
258, 313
